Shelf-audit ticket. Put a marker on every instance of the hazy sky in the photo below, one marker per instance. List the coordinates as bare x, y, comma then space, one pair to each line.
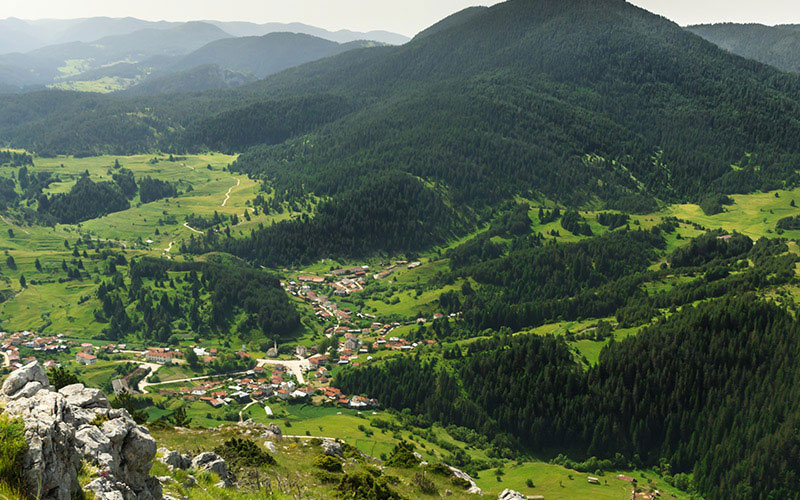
401, 16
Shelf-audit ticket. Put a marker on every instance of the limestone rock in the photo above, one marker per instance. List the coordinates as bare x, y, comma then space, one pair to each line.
61, 433
273, 432
174, 460
29, 377
32, 372
473, 488
211, 462
511, 495
80, 396
332, 448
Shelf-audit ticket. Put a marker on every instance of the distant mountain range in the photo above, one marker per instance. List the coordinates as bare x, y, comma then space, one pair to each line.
777, 46
17, 35
106, 55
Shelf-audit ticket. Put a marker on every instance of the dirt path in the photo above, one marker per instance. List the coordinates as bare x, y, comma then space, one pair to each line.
190, 228
12, 225
228, 194
6, 359
241, 417
144, 384
169, 248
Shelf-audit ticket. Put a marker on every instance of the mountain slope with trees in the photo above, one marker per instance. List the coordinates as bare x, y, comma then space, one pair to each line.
777, 46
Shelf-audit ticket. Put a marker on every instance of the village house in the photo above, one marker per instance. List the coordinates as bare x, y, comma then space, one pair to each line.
158, 355
85, 358
352, 344
311, 279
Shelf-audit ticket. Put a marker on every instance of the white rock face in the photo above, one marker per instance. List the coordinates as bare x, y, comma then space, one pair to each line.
174, 460
272, 432
25, 382
332, 448
511, 495
60, 435
473, 488
213, 463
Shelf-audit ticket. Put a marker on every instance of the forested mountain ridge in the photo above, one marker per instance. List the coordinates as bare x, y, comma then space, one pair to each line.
689, 390
563, 55
777, 46
206, 77
576, 101
586, 59
265, 55
46, 65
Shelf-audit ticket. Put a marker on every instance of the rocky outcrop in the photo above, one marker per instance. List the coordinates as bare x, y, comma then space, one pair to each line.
75, 425
212, 462
173, 459
332, 448
473, 486
511, 495
25, 382
273, 432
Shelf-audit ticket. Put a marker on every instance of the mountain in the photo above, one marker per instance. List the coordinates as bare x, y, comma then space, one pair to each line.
95, 28
64, 61
454, 20
778, 46
105, 54
580, 101
242, 29
136, 46
208, 77
18, 35
14, 37
265, 55
577, 100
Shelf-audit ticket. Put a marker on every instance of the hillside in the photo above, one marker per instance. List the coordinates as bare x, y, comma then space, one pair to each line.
265, 55
777, 46
58, 62
454, 20
245, 29
206, 77
553, 244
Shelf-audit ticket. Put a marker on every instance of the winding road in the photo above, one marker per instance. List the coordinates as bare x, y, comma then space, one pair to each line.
228, 194
143, 384
251, 403
190, 228
6, 361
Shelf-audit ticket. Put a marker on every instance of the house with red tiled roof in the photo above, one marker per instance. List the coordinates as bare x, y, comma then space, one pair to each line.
85, 358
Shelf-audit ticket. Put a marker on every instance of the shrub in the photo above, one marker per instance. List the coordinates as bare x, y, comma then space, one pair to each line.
12, 452
403, 456
244, 453
440, 469
60, 377
423, 484
328, 463
363, 486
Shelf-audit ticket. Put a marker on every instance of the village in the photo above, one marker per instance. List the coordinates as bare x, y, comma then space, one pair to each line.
306, 377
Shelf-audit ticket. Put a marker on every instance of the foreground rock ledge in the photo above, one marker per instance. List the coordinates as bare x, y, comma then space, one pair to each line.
76, 425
